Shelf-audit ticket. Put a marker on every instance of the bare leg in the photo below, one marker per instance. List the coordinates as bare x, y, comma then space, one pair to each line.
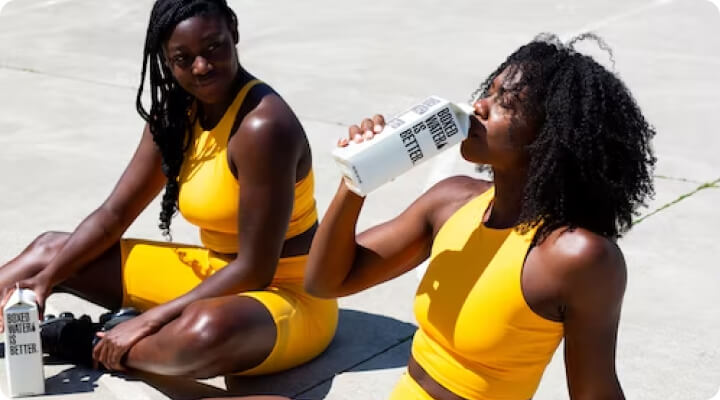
211, 337
99, 282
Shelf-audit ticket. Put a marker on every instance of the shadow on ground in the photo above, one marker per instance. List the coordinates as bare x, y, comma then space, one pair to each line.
73, 380
360, 338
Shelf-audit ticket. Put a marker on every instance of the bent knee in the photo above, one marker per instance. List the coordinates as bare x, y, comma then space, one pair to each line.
206, 326
49, 243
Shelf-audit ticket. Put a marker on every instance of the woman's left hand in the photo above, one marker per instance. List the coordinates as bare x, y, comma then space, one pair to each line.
115, 343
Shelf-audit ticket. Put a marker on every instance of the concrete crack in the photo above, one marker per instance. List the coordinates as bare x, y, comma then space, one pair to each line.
706, 185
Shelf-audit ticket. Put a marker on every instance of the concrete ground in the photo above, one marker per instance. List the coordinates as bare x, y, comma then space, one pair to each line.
68, 76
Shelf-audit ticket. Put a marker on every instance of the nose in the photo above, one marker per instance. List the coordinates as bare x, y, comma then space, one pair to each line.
482, 108
201, 66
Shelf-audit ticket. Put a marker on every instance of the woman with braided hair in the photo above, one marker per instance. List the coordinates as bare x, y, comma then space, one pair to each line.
519, 263
235, 161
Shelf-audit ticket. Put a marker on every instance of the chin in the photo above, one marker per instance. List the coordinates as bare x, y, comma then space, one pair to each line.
470, 153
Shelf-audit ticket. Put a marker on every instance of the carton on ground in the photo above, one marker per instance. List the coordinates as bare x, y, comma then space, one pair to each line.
23, 351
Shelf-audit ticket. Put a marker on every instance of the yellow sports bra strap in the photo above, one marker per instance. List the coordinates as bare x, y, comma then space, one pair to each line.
232, 111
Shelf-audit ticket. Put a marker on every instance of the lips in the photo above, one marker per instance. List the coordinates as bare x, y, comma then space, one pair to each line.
476, 128
206, 81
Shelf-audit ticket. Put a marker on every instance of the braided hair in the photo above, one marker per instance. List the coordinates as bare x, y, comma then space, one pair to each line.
169, 118
591, 163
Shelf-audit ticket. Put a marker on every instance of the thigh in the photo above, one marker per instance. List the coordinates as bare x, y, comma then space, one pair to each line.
100, 281
154, 273
305, 326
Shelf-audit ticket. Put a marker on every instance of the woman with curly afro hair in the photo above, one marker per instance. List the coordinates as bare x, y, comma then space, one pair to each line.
519, 263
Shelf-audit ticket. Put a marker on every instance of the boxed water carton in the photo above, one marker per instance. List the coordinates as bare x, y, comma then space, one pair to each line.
23, 350
411, 138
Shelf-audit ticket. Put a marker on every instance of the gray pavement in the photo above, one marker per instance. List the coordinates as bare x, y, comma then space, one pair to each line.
68, 76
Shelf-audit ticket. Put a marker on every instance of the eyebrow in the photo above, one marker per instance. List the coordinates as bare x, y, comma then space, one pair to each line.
210, 36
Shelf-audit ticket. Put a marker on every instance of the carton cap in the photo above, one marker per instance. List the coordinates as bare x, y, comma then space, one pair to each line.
22, 296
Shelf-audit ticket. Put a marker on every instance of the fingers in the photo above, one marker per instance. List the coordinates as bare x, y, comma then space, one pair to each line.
366, 130
116, 356
355, 134
108, 353
367, 126
378, 123
98, 350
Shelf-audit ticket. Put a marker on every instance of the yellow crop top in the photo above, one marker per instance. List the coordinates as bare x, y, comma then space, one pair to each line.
477, 336
209, 191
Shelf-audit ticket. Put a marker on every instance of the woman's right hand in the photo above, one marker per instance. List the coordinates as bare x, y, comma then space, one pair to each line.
368, 128
39, 284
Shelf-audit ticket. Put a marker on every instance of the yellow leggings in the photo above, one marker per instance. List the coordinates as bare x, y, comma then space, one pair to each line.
408, 389
157, 272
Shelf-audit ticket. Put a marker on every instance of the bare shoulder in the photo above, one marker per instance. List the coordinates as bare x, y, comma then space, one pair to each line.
584, 262
270, 126
447, 196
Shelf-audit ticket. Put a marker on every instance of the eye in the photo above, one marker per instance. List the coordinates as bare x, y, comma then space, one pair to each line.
507, 99
214, 46
180, 60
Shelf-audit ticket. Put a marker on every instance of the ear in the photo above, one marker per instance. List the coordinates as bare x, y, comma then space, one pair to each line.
233, 25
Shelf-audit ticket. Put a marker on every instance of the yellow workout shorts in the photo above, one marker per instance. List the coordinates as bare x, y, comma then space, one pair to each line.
157, 272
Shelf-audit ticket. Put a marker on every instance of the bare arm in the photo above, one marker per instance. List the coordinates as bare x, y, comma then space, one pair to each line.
265, 151
594, 284
140, 183
341, 263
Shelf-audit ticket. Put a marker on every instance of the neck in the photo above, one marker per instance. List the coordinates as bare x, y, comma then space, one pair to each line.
507, 204
212, 113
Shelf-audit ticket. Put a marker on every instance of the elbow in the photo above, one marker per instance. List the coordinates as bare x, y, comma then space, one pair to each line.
260, 281
315, 286
316, 289
245, 280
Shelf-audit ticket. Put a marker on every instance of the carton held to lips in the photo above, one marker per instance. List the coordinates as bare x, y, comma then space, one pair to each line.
23, 350
409, 139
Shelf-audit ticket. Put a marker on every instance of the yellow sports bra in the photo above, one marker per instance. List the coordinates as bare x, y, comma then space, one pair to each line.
209, 191
477, 336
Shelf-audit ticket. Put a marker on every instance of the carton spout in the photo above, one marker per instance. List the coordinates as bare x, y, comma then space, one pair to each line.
467, 108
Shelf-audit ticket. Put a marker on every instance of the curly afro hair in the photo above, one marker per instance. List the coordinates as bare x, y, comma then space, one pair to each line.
591, 164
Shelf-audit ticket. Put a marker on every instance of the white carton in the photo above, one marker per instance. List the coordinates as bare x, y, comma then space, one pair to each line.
423, 131
23, 350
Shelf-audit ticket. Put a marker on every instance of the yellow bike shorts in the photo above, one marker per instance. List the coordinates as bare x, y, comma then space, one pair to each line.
157, 272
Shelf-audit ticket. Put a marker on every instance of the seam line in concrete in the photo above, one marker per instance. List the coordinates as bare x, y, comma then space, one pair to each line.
706, 185
385, 350
126, 87
67, 77
594, 26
